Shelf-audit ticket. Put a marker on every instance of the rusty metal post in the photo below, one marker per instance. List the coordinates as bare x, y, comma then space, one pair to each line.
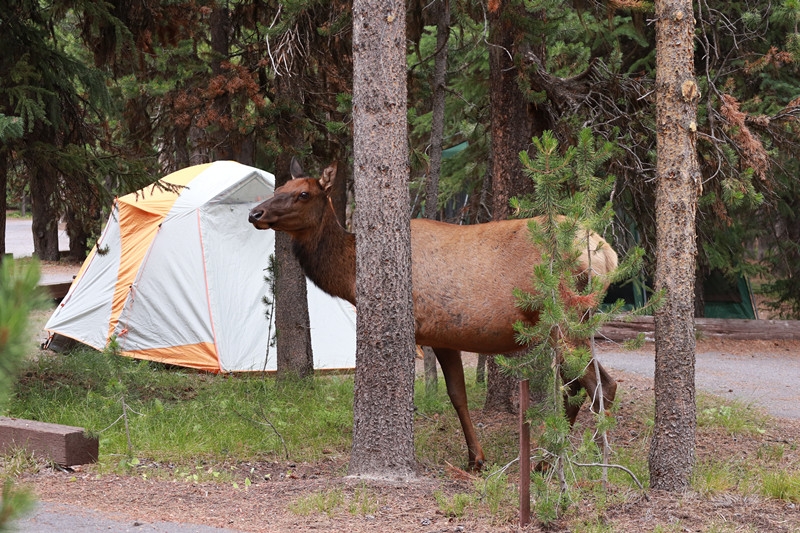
524, 455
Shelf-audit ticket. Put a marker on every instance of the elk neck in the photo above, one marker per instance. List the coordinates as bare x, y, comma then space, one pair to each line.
327, 254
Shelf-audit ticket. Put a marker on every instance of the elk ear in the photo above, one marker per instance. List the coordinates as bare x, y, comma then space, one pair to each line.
296, 170
328, 177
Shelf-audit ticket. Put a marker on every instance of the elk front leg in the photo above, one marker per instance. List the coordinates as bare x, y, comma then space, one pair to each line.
588, 382
453, 370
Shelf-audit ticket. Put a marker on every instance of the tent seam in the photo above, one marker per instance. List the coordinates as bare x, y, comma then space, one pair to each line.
208, 293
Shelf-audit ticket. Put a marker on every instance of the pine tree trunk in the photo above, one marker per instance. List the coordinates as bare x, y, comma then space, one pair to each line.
437, 134
78, 235
672, 448
511, 133
501, 390
292, 323
43, 211
221, 139
383, 407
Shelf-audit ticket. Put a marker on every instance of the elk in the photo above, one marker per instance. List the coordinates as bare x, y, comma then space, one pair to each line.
463, 277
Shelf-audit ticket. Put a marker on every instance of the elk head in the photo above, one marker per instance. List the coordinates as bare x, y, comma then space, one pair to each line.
298, 205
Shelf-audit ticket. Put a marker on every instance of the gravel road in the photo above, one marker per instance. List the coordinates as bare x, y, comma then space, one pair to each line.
765, 377
19, 239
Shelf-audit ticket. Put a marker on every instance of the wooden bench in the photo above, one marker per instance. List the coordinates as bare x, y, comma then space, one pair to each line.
64, 445
58, 289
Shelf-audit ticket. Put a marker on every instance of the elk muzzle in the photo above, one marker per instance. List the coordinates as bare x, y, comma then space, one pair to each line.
256, 218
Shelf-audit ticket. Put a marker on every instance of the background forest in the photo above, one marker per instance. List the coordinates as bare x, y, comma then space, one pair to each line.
98, 99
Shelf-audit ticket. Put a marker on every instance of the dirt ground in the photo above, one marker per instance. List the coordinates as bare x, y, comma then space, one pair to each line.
264, 505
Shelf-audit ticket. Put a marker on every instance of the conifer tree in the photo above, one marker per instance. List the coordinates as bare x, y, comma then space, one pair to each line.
568, 194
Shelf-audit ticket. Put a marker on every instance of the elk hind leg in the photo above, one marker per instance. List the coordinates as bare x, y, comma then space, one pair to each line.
453, 371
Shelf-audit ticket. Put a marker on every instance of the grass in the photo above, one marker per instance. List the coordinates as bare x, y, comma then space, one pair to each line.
175, 415
324, 502
182, 416
359, 502
737, 418
438, 436
781, 485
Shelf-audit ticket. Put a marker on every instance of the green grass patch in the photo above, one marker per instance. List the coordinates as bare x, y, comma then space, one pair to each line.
714, 477
182, 416
781, 485
361, 502
193, 419
326, 502
492, 495
437, 430
736, 418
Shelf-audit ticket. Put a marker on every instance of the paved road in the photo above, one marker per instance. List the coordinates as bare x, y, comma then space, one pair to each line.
57, 518
19, 238
767, 379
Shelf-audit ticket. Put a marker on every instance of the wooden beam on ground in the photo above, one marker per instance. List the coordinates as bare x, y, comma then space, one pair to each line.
731, 328
65, 445
57, 290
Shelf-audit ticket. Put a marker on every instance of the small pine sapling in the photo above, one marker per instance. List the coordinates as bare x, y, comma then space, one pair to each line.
19, 295
569, 206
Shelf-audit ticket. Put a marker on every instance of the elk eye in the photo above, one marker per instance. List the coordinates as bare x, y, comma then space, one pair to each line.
303, 195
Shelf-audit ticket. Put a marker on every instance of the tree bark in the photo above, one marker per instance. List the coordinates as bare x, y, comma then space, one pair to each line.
678, 177
511, 129
292, 323
219, 28
44, 225
383, 407
437, 134
78, 232
295, 358
511, 122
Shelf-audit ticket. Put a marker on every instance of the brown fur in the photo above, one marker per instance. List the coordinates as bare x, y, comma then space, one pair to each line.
463, 279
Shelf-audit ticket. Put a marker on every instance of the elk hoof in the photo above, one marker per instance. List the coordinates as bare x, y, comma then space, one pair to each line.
477, 465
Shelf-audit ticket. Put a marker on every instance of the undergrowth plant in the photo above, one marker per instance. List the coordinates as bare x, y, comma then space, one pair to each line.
491, 495
361, 502
569, 205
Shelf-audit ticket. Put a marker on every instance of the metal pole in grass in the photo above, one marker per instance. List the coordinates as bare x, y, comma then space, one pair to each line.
524, 455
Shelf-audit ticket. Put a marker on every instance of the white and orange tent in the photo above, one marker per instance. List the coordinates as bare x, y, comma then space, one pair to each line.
178, 276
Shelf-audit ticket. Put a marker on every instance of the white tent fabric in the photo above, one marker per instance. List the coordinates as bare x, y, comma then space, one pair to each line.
178, 277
